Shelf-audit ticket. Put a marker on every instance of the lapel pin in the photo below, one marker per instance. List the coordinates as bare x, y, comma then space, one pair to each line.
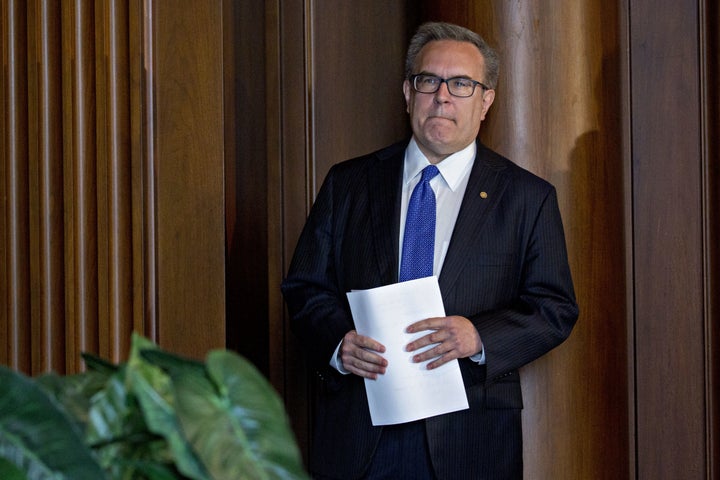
483, 194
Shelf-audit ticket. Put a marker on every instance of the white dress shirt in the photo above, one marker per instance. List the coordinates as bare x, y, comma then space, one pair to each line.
449, 188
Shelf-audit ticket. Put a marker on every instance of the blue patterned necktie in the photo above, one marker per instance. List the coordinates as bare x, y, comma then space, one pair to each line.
419, 238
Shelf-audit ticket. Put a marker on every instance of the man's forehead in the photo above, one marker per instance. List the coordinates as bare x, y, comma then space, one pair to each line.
450, 54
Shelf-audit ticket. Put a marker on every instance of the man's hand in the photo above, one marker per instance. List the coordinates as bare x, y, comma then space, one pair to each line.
360, 355
456, 337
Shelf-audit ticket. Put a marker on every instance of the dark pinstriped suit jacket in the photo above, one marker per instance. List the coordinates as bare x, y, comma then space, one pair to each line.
506, 270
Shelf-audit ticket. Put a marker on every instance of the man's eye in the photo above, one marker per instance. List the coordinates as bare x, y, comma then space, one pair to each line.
461, 82
429, 80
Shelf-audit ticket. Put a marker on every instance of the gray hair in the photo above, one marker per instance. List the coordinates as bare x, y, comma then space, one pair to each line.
432, 31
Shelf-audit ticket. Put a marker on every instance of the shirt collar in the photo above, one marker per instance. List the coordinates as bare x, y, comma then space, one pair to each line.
453, 168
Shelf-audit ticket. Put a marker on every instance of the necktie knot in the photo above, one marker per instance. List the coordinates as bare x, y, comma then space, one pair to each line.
429, 173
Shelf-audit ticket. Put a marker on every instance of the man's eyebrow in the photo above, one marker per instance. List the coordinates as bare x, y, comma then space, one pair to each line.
425, 72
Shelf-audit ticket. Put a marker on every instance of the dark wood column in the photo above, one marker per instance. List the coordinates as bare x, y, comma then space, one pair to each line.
616, 104
558, 112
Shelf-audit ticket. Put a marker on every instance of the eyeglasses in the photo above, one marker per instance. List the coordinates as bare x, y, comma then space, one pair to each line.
457, 86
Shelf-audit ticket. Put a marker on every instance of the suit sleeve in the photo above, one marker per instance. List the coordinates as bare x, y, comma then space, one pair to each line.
317, 305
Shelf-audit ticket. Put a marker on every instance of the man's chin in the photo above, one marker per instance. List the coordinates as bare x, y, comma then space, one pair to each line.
440, 130
436, 149
442, 140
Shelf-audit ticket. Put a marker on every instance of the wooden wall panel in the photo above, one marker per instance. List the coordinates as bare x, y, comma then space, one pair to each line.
669, 247
187, 80
347, 88
557, 113
65, 185
111, 180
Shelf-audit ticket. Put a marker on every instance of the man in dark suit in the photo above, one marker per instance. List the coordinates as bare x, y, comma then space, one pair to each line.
500, 257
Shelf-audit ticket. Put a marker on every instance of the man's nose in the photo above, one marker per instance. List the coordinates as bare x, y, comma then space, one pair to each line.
443, 93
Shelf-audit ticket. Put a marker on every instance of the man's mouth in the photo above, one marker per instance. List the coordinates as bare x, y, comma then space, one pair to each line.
441, 117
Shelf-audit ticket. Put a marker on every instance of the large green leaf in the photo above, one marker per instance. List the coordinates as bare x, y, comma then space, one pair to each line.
130, 446
117, 431
232, 417
255, 407
37, 435
219, 441
153, 390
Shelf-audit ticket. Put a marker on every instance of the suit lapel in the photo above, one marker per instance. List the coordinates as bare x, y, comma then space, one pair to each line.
486, 185
385, 179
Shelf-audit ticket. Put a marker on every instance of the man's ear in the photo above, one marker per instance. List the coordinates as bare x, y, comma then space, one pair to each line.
407, 91
488, 99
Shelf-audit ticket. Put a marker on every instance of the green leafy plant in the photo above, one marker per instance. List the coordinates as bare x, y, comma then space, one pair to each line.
158, 416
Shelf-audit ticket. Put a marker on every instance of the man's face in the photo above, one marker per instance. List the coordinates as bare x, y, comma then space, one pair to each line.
442, 123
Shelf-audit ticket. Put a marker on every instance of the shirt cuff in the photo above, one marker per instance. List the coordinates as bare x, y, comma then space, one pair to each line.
479, 358
336, 363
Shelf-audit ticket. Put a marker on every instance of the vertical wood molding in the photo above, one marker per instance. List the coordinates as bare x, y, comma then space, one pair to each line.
274, 149
45, 160
293, 137
80, 195
114, 163
16, 275
710, 118
144, 204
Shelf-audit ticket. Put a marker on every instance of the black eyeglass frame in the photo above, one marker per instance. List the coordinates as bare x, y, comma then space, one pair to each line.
475, 83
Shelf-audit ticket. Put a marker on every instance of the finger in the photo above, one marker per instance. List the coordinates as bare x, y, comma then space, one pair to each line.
361, 341
365, 373
363, 368
429, 339
441, 360
433, 323
362, 361
440, 350
363, 355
